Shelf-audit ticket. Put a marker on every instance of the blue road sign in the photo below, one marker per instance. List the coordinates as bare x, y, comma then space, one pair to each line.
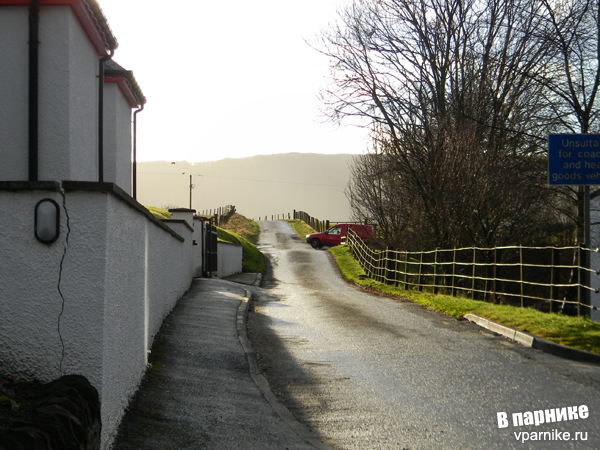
574, 159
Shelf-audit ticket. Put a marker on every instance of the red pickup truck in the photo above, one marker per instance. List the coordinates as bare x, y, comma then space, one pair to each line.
333, 236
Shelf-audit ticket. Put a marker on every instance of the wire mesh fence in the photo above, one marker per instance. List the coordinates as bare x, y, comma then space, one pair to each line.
548, 278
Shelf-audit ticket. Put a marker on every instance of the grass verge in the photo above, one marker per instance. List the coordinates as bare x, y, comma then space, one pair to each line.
159, 213
244, 227
575, 332
301, 227
252, 259
238, 230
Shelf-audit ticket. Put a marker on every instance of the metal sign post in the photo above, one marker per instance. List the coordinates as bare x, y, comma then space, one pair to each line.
574, 159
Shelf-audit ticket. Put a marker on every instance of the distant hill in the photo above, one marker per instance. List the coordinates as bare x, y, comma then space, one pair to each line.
258, 186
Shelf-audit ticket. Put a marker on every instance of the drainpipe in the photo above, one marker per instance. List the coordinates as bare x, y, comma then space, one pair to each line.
101, 115
34, 21
134, 175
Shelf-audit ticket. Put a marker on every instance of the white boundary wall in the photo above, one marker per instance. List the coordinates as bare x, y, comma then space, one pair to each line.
121, 275
229, 260
91, 302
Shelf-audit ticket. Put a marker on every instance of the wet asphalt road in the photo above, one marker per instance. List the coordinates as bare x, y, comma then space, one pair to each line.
368, 372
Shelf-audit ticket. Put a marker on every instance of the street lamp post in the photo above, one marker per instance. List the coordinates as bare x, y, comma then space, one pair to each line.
191, 187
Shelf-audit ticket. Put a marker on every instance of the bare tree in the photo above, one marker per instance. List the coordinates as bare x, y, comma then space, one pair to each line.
574, 33
450, 89
377, 193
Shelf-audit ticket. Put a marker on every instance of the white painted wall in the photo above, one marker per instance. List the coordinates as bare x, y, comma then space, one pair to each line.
29, 298
146, 273
183, 214
117, 138
229, 259
91, 302
197, 241
122, 274
68, 96
14, 92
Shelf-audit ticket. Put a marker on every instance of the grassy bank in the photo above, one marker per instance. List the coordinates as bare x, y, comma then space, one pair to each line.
243, 231
238, 230
253, 260
159, 213
301, 227
244, 227
576, 332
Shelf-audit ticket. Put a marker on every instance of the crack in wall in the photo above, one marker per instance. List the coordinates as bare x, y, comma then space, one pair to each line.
60, 273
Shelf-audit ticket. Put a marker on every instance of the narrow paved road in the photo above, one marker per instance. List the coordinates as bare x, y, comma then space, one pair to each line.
368, 372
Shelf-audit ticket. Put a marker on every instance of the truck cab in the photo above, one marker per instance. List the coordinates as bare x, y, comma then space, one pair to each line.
333, 236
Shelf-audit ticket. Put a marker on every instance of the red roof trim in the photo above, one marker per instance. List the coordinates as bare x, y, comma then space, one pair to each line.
83, 15
89, 25
125, 90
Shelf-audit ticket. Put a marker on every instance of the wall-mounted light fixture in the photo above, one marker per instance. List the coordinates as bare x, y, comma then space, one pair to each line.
47, 221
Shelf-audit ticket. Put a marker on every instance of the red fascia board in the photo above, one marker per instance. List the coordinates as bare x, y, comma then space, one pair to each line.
125, 90
83, 15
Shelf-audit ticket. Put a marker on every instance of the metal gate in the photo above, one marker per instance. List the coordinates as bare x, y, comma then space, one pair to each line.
210, 250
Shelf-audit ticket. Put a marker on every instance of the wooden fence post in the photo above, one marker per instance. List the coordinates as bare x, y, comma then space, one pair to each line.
521, 271
420, 285
385, 266
495, 274
552, 271
406, 272
473, 279
579, 280
453, 271
395, 269
435, 260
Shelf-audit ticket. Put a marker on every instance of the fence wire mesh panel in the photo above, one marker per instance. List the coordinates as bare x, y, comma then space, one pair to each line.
547, 278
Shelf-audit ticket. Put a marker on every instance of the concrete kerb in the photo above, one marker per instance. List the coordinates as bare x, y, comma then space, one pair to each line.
248, 278
531, 340
301, 430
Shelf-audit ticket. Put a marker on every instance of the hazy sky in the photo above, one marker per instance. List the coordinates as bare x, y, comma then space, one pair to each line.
228, 79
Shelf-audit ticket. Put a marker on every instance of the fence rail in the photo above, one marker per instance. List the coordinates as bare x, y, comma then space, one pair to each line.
221, 215
319, 225
284, 216
549, 278
316, 224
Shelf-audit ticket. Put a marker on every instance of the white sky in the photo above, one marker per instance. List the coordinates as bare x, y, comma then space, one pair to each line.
228, 79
